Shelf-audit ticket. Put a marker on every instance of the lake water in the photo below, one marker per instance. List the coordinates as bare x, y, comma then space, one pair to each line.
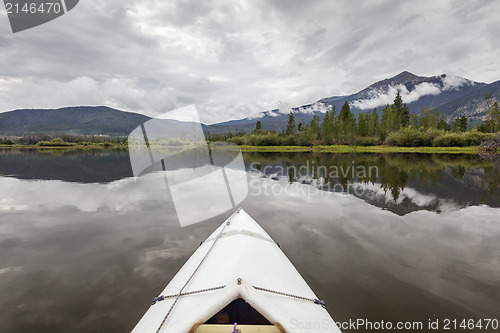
84, 247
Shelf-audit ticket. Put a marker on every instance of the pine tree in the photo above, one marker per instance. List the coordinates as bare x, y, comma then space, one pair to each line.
290, 126
434, 119
397, 110
333, 113
443, 124
324, 126
314, 125
414, 120
363, 127
334, 122
258, 125
405, 116
460, 124
345, 112
425, 117
463, 124
374, 123
496, 117
346, 122
398, 102
326, 129
492, 113
456, 125
385, 122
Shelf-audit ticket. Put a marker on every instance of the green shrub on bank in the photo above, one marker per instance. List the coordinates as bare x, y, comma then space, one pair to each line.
450, 140
411, 137
474, 137
366, 141
238, 140
56, 142
290, 140
463, 139
268, 139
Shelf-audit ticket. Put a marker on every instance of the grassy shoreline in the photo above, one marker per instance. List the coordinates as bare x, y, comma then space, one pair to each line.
361, 149
289, 149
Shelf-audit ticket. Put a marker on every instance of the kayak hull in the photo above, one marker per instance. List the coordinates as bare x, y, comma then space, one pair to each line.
238, 260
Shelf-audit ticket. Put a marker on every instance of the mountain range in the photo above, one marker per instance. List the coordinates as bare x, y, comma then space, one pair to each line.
454, 96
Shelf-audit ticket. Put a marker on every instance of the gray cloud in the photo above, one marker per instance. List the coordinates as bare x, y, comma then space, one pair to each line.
384, 96
235, 59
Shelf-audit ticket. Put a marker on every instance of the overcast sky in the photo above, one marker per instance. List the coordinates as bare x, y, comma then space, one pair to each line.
235, 58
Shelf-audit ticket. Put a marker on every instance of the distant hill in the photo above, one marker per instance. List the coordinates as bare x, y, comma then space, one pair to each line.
71, 120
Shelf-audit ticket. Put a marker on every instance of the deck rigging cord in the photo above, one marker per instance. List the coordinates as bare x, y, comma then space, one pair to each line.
314, 300
196, 270
163, 297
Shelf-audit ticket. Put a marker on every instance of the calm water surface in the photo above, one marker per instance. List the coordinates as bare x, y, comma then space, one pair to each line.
84, 248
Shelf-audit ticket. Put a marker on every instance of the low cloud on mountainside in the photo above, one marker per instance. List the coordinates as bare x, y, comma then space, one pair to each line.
381, 97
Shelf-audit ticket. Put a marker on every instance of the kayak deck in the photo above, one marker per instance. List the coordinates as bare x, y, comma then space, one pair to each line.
238, 261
